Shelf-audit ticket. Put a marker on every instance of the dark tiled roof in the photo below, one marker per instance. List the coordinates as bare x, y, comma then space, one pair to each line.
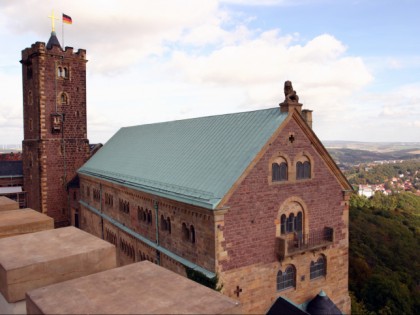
11, 168
284, 307
322, 305
94, 148
74, 182
53, 41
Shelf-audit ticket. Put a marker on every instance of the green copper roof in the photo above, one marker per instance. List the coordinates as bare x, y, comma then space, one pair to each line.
194, 160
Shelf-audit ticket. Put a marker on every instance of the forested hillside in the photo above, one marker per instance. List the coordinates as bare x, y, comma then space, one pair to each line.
385, 254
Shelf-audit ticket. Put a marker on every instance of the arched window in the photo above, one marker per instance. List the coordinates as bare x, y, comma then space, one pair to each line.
283, 221
59, 72
290, 223
163, 223
149, 217
299, 170
303, 168
132, 252
306, 169
65, 73
275, 172
192, 234
169, 224
298, 222
283, 171
63, 99
185, 232
318, 268
286, 279
279, 171
30, 98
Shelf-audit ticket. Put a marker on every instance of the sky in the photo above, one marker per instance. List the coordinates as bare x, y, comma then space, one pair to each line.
355, 63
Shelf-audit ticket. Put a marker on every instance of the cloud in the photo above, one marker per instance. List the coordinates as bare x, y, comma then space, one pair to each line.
386, 116
260, 64
118, 33
163, 60
10, 108
268, 2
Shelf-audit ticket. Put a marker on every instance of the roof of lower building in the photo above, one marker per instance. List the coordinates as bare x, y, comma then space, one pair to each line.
322, 305
284, 306
11, 168
10, 190
194, 160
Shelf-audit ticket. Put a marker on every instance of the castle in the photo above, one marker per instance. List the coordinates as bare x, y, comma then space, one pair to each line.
251, 201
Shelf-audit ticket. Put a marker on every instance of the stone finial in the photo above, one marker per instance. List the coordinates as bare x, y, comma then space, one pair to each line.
291, 99
289, 94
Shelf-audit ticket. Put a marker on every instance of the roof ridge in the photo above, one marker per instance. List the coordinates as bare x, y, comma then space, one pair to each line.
201, 117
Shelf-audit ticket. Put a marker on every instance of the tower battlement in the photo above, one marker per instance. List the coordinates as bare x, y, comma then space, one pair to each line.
41, 48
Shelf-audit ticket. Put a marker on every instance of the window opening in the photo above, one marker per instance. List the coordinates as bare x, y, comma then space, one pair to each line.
286, 279
292, 223
64, 99
192, 234
303, 170
283, 221
317, 268
279, 171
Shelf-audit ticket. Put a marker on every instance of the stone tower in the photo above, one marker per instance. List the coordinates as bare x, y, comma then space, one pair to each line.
55, 141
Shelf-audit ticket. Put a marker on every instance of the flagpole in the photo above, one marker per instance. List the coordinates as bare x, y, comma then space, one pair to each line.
62, 33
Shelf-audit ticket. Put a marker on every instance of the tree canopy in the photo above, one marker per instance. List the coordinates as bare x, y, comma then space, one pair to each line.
385, 254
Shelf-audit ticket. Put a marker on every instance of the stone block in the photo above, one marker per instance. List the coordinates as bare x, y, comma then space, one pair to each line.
38, 259
139, 288
23, 221
8, 204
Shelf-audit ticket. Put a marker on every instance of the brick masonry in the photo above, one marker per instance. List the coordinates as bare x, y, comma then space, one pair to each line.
202, 252
246, 237
51, 158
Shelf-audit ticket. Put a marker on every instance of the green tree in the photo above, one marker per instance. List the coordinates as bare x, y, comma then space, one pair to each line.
385, 292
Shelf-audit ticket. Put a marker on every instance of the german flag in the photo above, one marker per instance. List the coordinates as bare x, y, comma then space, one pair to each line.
67, 19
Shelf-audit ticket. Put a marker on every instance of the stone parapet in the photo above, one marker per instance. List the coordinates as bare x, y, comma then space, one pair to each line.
8, 204
23, 221
38, 259
119, 291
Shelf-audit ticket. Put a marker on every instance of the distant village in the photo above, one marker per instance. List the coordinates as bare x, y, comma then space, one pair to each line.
405, 180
